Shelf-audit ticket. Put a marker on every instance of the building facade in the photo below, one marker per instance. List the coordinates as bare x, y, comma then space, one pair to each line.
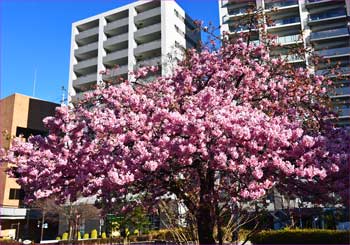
20, 115
141, 33
322, 25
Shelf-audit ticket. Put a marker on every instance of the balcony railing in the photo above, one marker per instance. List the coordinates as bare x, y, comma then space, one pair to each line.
330, 33
344, 112
241, 28
147, 14
285, 21
80, 96
147, 47
148, 30
238, 11
120, 54
288, 39
116, 39
292, 57
340, 71
85, 64
116, 24
87, 33
85, 79
116, 72
334, 52
318, 1
86, 48
342, 91
150, 62
328, 14
224, 3
255, 42
281, 4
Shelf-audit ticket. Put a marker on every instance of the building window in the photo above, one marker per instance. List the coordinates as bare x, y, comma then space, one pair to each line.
179, 31
27, 132
178, 15
16, 194
179, 46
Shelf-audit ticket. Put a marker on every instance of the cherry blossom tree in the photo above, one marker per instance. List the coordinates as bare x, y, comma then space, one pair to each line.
224, 128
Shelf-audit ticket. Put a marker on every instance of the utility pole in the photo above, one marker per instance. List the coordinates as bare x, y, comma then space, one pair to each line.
42, 225
63, 95
34, 82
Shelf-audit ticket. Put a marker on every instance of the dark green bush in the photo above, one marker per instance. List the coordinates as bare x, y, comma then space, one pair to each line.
301, 236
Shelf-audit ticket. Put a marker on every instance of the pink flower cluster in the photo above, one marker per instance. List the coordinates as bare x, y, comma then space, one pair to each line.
224, 122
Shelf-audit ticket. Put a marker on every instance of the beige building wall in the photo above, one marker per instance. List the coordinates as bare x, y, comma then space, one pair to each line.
13, 114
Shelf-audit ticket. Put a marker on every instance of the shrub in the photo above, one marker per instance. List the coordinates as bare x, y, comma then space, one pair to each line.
301, 236
94, 234
86, 236
65, 236
8, 241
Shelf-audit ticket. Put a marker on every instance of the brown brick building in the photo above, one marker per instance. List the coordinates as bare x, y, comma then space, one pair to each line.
19, 115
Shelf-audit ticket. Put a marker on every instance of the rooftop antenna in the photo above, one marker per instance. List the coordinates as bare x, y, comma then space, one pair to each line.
34, 82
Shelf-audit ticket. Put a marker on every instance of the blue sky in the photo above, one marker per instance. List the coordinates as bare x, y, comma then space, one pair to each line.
35, 35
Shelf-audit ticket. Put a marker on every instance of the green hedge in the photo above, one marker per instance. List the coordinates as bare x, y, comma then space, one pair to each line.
93, 241
301, 236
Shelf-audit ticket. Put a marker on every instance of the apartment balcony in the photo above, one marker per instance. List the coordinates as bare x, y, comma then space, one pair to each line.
344, 113
285, 22
147, 30
86, 51
143, 48
87, 36
238, 11
244, 28
335, 52
116, 72
292, 39
85, 64
150, 62
255, 42
329, 34
313, 3
90, 78
79, 96
114, 41
115, 56
292, 58
147, 15
343, 71
281, 4
341, 92
331, 15
117, 24
225, 3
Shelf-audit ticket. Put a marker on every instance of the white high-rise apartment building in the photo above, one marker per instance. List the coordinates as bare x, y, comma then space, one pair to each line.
322, 25
138, 34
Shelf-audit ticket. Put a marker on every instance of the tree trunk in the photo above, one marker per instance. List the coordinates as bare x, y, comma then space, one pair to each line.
205, 224
206, 210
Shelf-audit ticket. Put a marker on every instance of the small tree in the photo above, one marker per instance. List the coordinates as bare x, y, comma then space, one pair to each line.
73, 213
